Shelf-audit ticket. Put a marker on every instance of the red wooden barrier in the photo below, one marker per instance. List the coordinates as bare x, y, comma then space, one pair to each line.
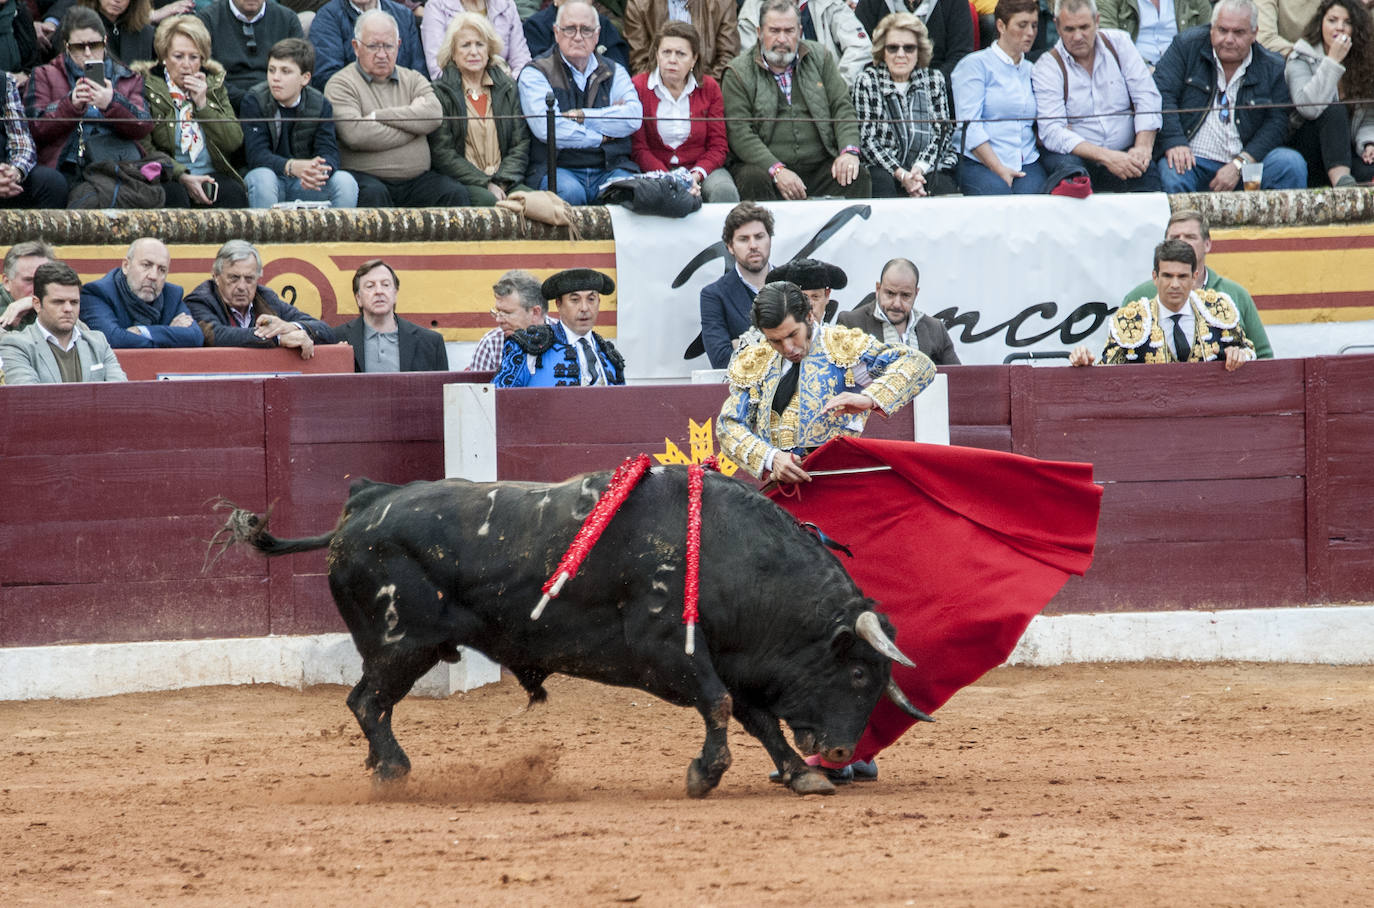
147, 365
1224, 491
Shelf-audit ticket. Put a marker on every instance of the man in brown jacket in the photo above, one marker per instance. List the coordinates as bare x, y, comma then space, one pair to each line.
714, 20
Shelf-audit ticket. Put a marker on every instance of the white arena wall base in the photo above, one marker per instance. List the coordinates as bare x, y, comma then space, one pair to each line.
1332, 635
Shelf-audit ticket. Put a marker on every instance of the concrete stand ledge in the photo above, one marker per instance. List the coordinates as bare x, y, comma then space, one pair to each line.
1327, 635
106, 669
1332, 635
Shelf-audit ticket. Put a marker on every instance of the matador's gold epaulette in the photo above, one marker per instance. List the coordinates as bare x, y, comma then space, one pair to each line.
844, 346
749, 365
1219, 309
1131, 324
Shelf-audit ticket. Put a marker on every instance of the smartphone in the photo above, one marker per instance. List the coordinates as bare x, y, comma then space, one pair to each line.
211, 190
95, 71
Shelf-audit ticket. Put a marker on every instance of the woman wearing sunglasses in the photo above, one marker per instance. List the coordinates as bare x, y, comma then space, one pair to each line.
88, 106
906, 135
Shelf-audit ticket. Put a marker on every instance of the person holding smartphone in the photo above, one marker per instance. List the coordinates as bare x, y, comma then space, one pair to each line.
87, 106
196, 125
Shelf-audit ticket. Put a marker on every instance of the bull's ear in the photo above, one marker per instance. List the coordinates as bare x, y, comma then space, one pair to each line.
842, 640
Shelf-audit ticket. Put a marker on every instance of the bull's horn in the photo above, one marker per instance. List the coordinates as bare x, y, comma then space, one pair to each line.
868, 628
895, 694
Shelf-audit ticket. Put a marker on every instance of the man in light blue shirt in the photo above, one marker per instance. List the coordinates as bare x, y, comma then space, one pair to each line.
597, 105
1098, 79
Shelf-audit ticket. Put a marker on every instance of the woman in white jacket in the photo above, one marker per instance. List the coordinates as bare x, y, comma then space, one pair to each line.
1331, 63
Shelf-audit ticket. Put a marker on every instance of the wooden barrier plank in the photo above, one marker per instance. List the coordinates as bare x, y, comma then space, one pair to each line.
641, 415
1352, 572
130, 418
402, 406
1168, 390
1210, 510
312, 607
117, 485
144, 548
994, 438
147, 365
119, 611
1164, 576
978, 395
1204, 447
1350, 443
1316, 489
1350, 382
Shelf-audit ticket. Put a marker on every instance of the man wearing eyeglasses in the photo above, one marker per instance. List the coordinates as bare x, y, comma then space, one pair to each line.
597, 104
1226, 105
383, 115
244, 30
332, 32
519, 303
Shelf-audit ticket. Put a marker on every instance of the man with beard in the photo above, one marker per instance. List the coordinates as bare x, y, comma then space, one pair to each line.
134, 306
790, 122
727, 301
235, 310
889, 313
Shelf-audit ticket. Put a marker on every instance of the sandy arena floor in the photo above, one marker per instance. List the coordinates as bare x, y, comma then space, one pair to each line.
1154, 784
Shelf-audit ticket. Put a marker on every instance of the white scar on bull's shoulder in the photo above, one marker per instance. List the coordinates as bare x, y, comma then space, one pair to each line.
485, 528
662, 574
393, 619
585, 492
378, 522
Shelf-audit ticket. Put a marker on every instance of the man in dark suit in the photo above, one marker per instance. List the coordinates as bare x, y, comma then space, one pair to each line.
889, 314
382, 341
726, 304
235, 309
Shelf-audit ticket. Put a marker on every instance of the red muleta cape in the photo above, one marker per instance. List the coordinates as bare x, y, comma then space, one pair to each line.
961, 547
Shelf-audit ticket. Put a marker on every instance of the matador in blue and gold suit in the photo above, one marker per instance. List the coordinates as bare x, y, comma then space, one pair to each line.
839, 359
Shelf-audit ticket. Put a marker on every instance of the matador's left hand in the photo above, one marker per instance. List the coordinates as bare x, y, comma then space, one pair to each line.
849, 402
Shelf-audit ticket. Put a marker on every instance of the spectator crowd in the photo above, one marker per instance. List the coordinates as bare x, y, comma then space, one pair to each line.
377, 103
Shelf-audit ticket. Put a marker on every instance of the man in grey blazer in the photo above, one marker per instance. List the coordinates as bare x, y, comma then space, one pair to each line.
890, 314
57, 347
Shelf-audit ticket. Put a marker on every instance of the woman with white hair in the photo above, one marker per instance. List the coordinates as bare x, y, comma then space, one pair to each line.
483, 142
505, 23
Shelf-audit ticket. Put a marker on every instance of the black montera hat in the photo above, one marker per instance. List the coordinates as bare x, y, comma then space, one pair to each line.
810, 274
575, 279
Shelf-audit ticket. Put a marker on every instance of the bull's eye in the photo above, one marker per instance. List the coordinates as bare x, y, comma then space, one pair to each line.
857, 676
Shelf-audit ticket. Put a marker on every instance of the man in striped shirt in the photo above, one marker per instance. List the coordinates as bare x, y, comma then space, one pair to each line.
519, 303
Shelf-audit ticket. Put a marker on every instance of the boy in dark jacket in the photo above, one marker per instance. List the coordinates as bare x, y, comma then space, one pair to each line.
288, 135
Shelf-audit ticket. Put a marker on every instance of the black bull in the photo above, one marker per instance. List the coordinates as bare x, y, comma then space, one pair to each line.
420, 570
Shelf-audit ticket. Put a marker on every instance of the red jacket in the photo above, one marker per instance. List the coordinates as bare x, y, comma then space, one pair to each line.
49, 99
705, 147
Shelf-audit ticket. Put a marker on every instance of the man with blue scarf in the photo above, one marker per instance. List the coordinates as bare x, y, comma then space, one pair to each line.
134, 306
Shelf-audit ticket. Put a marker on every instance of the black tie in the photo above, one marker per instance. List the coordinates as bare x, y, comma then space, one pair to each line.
787, 389
592, 370
1181, 345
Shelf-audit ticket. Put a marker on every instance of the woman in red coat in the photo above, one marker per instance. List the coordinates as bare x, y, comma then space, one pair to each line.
683, 116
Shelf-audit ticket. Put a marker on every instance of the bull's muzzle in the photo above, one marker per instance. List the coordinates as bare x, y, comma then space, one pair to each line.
871, 629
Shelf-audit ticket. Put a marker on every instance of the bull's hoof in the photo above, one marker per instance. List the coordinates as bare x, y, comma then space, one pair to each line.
811, 783
388, 772
699, 784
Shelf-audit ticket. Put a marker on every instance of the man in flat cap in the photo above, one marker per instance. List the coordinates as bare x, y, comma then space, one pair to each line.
889, 313
806, 384
567, 352
816, 279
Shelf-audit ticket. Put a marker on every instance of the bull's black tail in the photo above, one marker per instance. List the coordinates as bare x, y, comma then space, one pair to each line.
245, 527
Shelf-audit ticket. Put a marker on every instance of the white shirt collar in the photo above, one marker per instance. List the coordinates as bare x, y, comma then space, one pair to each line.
1004, 56
242, 18
51, 338
655, 84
